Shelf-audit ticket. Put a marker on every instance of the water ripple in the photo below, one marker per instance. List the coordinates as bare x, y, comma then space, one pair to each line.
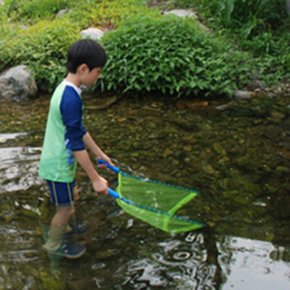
18, 168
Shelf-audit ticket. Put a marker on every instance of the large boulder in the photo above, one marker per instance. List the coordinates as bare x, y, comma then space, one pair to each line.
17, 84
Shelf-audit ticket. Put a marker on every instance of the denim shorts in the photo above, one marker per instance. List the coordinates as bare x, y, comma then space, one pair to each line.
61, 193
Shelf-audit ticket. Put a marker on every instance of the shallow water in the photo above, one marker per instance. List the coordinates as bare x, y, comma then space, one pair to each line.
237, 156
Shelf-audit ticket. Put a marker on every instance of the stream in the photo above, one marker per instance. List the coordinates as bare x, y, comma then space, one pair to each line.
235, 153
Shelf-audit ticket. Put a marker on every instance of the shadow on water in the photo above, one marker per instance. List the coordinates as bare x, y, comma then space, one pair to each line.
236, 155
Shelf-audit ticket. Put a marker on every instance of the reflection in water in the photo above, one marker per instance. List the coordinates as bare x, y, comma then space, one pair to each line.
4, 137
247, 264
179, 264
201, 262
17, 245
18, 168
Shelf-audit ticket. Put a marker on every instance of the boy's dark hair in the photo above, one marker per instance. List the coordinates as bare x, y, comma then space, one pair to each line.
85, 51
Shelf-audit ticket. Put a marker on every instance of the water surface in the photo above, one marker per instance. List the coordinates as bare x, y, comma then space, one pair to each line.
235, 153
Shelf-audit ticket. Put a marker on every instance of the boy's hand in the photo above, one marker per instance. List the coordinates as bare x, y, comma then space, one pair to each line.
100, 185
106, 158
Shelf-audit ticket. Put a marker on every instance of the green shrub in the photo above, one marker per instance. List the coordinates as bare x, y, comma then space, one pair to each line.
42, 46
171, 55
109, 13
249, 16
272, 54
172, 4
32, 10
258, 26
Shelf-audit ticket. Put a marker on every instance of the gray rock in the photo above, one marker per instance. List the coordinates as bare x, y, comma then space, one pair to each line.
17, 84
182, 13
224, 106
62, 12
288, 7
92, 33
243, 95
187, 13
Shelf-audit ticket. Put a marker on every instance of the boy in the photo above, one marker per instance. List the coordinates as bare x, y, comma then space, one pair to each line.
65, 143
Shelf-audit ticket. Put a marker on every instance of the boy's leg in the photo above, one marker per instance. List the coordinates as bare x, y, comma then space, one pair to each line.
57, 227
62, 197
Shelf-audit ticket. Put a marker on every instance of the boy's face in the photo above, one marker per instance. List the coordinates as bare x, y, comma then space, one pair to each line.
87, 77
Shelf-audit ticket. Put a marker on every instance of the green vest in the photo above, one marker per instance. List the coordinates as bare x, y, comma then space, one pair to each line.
57, 163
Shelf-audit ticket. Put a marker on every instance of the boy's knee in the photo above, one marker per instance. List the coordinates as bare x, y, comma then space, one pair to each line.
70, 210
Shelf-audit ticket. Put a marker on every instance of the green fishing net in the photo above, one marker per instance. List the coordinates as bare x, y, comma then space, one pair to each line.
155, 203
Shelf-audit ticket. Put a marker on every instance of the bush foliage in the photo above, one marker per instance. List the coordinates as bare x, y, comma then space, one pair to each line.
109, 13
170, 55
43, 47
260, 27
34, 10
249, 16
150, 52
42, 44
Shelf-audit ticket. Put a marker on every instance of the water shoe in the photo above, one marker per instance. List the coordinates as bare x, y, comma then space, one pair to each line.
76, 229
69, 251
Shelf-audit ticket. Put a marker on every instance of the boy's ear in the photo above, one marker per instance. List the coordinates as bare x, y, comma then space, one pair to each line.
83, 68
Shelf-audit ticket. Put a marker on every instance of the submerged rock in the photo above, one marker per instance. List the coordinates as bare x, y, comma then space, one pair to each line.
48, 281
277, 117
208, 169
219, 149
106, 254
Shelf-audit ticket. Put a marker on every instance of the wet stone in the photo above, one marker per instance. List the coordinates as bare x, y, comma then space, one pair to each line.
282, 169
277, 117
209, 170
48, 281
189, 139
187, 148
7, 216
219, 149
106, 254
167, 152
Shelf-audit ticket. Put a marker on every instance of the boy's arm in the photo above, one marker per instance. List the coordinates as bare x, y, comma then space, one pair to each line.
94, 148
71, 111
99, 183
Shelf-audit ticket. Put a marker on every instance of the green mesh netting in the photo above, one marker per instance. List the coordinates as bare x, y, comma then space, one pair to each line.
156, 203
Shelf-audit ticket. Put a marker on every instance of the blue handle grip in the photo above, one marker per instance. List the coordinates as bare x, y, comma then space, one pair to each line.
113, 193
108, 165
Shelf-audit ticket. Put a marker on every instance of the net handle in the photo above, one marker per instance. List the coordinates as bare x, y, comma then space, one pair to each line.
113, 193
108, 165
116, 169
